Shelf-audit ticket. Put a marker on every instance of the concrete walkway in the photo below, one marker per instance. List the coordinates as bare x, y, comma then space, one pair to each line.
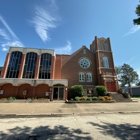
61, 108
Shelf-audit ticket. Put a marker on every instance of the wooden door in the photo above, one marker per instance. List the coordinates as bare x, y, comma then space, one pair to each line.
110, 86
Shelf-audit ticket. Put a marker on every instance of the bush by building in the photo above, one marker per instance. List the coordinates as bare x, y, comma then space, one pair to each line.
76, 90
101, 90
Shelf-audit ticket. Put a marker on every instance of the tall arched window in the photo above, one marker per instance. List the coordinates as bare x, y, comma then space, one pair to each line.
101, 46
30, 65
14, 65
106, 47
45, 66
105, 62
89, 77
81, 77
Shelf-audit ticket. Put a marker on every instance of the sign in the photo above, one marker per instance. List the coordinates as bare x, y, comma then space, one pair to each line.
1, 91
47, 93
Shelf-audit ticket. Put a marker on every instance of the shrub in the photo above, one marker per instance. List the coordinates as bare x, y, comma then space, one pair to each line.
83, 98
77, 98
101, 90
89, 98
17, 97
3, 98
102, 98
76, 91
71, 99
12, 98
94, 98
107, 97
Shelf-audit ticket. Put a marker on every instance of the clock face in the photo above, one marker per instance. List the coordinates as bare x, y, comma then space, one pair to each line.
84, 63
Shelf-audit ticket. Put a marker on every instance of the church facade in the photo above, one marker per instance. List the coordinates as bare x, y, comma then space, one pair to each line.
41, 73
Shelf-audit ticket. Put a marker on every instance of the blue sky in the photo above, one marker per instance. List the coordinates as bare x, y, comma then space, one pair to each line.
66, 25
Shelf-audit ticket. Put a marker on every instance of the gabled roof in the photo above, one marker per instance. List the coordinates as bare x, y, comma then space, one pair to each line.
75, 53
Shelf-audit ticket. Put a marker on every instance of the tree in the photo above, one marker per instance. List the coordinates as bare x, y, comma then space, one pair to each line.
137, 21
138, 83
127, 76
118, 69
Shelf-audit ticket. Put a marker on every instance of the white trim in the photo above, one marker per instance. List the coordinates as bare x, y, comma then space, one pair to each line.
33, 82
27, 50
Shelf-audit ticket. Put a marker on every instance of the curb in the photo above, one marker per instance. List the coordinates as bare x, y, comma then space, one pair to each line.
3, 116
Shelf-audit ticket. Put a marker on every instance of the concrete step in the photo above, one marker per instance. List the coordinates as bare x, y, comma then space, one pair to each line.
118, 97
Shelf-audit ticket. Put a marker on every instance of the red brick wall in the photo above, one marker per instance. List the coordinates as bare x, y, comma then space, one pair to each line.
29, 91
71, 68
9, 90
41, 90
58, 64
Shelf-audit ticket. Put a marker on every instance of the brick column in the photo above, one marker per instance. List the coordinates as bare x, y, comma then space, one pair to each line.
50, 94
4, 71
22, 66
66, 93
52, 68
37, 67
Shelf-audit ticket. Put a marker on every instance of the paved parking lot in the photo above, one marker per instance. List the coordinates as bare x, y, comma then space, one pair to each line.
91, 127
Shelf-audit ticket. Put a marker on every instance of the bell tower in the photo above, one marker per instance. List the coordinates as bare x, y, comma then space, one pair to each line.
106, 73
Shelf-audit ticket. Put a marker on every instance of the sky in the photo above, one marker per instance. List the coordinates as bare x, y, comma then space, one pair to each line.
67, 25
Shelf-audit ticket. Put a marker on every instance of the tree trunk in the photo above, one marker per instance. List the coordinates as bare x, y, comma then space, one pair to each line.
130, 90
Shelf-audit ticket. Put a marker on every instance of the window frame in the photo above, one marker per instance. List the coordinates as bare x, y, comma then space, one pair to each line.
81, 77
45, 64
106, 47
84, 63
88, 77
30, 65
105, 62
14, 65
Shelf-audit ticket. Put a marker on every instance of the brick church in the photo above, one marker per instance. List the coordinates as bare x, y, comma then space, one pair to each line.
42, 73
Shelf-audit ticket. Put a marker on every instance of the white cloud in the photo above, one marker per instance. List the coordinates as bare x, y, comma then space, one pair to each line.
4, 34
130, 60
4, 49
6, 45
10, 39
133, 30
43, 21
64, 50
8, 28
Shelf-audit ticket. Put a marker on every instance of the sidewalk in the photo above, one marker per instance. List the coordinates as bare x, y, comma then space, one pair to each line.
63, 109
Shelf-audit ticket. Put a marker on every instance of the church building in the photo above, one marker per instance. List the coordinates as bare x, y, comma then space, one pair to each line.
41, 73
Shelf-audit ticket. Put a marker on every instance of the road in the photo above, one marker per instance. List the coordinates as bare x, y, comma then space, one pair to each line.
86, 127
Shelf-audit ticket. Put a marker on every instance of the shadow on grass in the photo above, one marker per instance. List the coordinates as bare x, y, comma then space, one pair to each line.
122, 131
43, 133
